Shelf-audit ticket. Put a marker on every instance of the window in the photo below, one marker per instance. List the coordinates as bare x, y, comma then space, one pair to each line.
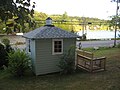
57, 46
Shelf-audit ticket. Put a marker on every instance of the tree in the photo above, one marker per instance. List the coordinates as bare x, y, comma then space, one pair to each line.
19, 10
117, 1
64, 16
113, 21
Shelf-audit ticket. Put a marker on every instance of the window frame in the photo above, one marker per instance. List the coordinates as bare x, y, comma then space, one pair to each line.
53, 46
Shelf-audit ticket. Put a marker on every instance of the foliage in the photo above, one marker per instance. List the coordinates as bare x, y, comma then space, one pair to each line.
116, 1
17, 10
3, 54
118, 45
8, 30
76, 23
39, 16
18, 62
115, 21
62, 21
71, 22
5, 48
84, 37
64, 16
2, 29
67, 62
5, 41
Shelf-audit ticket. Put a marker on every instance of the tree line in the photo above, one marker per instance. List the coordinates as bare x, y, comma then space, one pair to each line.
71, 23
19, 16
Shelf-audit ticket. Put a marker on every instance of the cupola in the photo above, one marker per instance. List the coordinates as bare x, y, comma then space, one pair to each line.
48, 21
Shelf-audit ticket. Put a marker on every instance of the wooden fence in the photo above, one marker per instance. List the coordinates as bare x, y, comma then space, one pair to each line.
86, 61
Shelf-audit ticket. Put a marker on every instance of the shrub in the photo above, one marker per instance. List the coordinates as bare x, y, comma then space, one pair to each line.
67, 62
18, 62
3, 54
118, 45
5, 41
84, 37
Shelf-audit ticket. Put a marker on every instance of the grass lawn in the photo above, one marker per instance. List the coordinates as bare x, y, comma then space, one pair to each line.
81, 80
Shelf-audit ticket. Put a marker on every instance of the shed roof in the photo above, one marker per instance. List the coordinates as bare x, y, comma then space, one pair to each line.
49, 32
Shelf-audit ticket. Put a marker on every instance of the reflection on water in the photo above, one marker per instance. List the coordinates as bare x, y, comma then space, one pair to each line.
100, 34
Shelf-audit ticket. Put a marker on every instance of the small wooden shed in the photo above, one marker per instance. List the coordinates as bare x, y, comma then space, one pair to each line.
46, 44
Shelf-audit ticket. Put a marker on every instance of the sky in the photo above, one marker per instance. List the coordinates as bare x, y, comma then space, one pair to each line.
101, 9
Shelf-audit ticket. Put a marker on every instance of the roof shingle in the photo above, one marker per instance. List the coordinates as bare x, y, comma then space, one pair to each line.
49, 32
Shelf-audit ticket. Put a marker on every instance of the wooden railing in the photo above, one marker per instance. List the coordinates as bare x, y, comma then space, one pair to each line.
86, 61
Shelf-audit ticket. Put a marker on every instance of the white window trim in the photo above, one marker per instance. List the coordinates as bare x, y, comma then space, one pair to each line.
54, 53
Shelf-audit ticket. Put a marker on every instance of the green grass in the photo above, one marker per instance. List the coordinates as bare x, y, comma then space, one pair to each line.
81, 80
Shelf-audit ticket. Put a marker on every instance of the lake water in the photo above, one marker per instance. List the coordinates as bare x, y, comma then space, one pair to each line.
100, 34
